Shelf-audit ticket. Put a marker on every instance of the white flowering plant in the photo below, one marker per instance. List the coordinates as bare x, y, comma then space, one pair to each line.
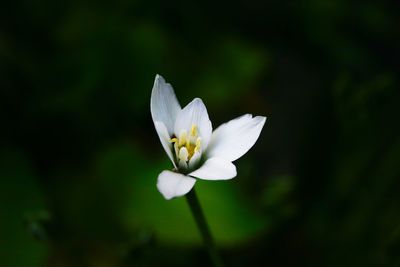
196, 151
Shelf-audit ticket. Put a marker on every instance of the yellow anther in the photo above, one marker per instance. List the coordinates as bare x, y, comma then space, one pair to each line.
190, 149
182, 138
173, 140
193, 130
198, 145
188, 145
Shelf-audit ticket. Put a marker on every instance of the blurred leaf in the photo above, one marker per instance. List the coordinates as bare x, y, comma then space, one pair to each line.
19, 195
231, 219
233, 68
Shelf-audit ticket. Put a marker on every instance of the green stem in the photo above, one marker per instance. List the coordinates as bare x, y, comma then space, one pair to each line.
203, 227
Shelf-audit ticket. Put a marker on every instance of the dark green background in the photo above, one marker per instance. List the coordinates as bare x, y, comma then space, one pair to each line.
80, 157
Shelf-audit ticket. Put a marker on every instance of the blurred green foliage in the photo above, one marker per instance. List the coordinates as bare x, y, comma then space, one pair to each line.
19, 195
80, 157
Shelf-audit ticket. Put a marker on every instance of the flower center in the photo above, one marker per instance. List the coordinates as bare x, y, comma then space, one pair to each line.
186, 146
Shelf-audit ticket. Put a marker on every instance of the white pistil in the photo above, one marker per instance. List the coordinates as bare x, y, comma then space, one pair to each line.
183, 154
183, 158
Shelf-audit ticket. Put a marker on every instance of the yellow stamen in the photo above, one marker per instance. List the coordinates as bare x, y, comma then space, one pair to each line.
182, 138
190, 149
198, 145
186, 145
193, 130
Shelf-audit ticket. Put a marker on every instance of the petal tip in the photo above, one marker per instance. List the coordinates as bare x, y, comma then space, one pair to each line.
159, 77
262, 118
158, 82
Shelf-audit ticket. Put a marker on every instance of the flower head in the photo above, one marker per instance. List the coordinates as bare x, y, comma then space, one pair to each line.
194, 149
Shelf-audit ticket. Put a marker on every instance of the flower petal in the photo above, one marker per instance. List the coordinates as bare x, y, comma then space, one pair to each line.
215, 169
195, 113
164, 138
172, 184
163, 103
233, 139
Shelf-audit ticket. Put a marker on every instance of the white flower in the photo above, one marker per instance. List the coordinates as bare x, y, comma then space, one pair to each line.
194, 149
